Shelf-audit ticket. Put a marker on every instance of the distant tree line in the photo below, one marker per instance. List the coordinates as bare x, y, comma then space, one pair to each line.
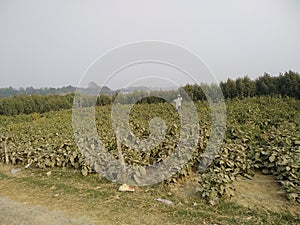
34, 103
22, 104
92, 88
284, 85
145, 97
10, 92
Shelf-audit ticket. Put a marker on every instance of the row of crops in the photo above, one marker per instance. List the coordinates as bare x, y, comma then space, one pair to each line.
262, 134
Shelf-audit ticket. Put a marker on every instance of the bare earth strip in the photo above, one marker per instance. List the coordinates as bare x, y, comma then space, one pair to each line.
32, 197
263, 192
24, 203
12, 212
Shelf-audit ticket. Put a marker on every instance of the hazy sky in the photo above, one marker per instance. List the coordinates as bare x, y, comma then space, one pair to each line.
52, 42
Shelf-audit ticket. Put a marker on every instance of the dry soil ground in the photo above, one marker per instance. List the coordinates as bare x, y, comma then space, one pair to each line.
33, 197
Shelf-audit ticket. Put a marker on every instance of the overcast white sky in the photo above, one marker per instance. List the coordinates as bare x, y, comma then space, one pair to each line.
52, 42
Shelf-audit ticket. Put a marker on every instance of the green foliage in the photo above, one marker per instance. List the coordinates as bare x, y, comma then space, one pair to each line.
35, 103
262, 134
40, 104
285, 85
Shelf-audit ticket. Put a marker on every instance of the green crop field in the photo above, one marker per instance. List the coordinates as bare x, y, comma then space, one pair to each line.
262, 134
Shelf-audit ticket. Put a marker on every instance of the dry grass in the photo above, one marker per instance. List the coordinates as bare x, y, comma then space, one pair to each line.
100, 201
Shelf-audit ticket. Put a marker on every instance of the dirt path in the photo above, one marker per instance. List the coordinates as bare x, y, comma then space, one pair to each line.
69, 201
12, 212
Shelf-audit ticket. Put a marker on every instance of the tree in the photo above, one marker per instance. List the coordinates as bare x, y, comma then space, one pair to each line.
249, 87
266, 85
